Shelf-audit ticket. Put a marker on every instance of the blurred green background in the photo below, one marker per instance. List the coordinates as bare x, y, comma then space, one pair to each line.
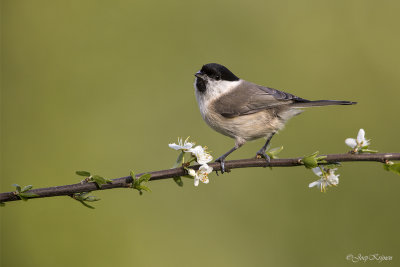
104, 86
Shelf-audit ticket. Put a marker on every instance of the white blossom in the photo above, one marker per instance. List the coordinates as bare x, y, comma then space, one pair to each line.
202, 156
327, 178
358, 144
201, 175
185, 146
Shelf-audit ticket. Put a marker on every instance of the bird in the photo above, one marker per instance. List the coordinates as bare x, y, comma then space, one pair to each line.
245, 111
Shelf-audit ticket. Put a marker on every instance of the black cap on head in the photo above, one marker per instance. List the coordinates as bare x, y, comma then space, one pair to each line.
218, 72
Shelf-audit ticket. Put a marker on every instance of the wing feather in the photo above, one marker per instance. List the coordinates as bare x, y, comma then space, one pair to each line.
248, 98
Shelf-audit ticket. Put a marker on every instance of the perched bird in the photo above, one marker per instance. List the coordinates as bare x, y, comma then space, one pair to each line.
246, 111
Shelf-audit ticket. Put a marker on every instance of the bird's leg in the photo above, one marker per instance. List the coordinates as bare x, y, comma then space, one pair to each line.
261, 153
222, 158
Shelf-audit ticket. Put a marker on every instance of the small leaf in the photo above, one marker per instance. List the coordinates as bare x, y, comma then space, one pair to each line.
86, 205
274, 151
313, 160
179, 160
386, 167
83, 173
310, 161
144, 178
27, 195
395, 168
135, 183
26, 188
82, 195
18, 187
178, 181
145, 188
134, 180
100, 180
92, 198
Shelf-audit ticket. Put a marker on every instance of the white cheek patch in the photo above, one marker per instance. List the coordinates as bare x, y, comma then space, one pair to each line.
214, 90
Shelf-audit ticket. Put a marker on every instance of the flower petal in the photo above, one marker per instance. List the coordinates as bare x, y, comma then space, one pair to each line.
196, 150
175, 146
204, 158
361, 136
188, 145
351, 142
196, 181
333, 179
317, 171
314, 183
205, 168
192, 172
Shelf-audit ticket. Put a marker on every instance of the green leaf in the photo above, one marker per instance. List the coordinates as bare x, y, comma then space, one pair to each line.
26, 188
86, 205
18, 187
144, 178
313, 160
178, 181
83, 173
274, 151
92, 198
136, 184
310, 161
22, 197
27, 195
143, 187
395, 168
100, 180
179, 160
386, 167
82, 197
134, 180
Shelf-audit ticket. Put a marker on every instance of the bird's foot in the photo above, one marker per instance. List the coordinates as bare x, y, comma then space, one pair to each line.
221, 160
261, 154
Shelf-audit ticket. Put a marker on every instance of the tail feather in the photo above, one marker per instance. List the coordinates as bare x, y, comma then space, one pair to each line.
320, 103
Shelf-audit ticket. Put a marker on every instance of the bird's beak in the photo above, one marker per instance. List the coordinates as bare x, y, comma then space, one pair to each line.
199, 74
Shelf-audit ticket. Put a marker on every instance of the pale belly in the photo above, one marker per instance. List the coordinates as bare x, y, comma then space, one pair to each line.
247, 127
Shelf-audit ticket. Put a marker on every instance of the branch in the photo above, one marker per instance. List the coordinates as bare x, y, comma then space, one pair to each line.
125, 182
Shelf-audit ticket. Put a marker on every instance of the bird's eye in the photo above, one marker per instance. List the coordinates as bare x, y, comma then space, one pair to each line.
217, 77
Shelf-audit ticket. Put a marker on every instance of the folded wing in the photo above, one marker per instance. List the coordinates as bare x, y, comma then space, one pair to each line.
248, 98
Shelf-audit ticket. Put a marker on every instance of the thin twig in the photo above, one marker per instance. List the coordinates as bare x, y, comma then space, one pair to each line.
69, 190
